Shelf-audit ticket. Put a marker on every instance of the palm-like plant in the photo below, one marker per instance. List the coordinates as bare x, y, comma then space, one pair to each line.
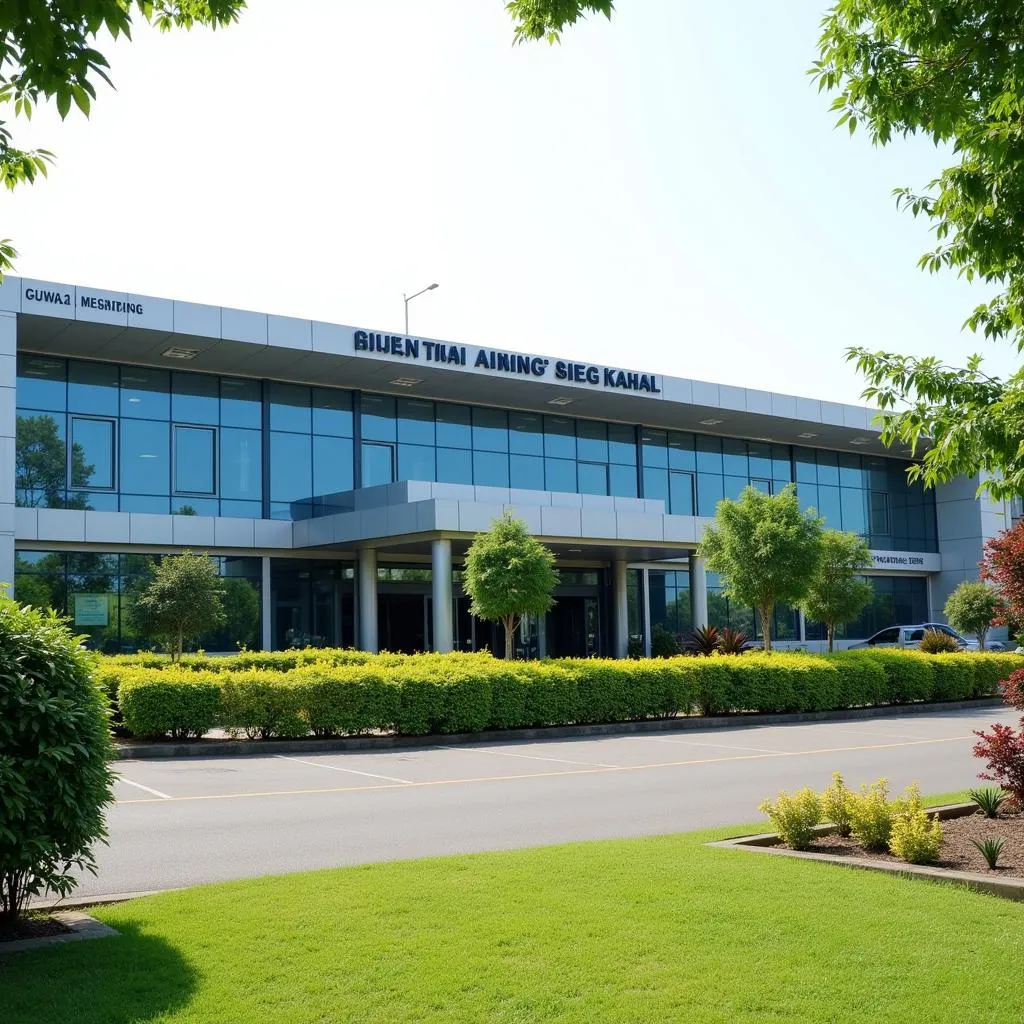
703, 641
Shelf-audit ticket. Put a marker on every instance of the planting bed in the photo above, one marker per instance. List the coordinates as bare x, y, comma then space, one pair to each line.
958, 852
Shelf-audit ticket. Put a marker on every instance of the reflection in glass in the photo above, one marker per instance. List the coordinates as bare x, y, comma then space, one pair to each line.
454, 466
195, 398
526, 472
526, 433
332, 412
681, 494
241, 462
622, 481
378, 464
490, 431
490, 469
291, 470
591, 443
332, 465
92, 447
592, 478
415, 462
377, 417
559, 440
41, 383
453, 426
415, 426
559, 474
241, 403
194, 460
40, 460
145, 463
290, 408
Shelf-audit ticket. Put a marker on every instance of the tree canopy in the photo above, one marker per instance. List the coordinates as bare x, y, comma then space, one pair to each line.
183, 600
765, 549
972, 608
1002, 565
952, 71
509, 574
836, 594
545, 19
48, 52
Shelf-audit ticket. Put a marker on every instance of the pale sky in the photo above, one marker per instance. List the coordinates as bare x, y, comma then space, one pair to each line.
664, 192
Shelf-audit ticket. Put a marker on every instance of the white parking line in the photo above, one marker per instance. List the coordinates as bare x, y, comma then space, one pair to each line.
349, 771
527, 757
148, 789
881, 732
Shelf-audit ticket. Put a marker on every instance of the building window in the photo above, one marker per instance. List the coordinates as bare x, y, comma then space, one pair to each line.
195, 470
378, 464
92, 453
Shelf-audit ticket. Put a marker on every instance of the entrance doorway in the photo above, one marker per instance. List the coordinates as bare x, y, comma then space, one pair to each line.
403, 622
574, 628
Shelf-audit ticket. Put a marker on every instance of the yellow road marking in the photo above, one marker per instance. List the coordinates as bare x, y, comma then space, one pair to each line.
542, 775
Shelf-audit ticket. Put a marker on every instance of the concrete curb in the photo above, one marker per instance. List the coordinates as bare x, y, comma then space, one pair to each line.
768, 842
83, 902
264, 748
82, 927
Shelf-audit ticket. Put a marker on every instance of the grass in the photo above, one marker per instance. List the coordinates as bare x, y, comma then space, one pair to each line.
645, 930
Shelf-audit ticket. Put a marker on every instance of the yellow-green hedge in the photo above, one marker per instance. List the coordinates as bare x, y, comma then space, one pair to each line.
336, 693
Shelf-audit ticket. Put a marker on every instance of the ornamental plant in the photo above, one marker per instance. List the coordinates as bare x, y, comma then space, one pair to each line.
1003, 566
871, 814
915, 836
835, 804
794, 816
509, 574
1002, 749
973, 607
54, 752
936, 641
765, 549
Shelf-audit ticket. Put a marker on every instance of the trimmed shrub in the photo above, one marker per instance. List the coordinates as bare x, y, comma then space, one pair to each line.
794, 816
182, 706
871, 815
836, 803
915, 835
954, 676
862, 680
266, 705
908, 675
54, 749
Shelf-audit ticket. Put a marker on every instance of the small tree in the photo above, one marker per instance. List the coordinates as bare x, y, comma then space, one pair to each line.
54, 749
509, 574
836, 594
765, 549
184, 599
972, 608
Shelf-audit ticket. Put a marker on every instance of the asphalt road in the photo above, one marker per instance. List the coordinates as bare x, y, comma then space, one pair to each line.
189, 821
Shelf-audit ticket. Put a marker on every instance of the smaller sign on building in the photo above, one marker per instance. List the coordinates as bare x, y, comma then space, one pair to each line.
91, 610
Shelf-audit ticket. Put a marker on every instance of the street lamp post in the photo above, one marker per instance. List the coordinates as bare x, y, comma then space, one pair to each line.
409, 298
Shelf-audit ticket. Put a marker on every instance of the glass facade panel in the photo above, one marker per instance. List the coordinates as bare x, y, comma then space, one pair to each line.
378, 464
560, 475
241, 403
655, 448
416, 462
622, 481
526, 472
92, 388
454, 428
195, 398
490, 469
290, 408
592, 478
681, 494
415, 426
145, 394
145, 457
455, 466
92, 453
40, 459
670, 601
681, 452
490, 430
526, 433
559, 440
332, 468
194, 458
241, 465
332, 412
42, 383
591, 443
622, 444
291, 467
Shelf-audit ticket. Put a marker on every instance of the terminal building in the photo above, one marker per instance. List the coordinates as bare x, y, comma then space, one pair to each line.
338, 475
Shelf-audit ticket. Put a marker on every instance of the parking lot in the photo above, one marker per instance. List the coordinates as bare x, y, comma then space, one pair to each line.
182, 821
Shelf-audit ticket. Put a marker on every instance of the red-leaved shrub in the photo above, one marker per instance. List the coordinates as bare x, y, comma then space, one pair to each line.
1002, 748
1013, 689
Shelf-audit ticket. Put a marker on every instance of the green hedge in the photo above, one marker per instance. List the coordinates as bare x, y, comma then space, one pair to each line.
329, 694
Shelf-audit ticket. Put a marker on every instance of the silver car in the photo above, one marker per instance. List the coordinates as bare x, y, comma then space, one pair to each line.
911, 636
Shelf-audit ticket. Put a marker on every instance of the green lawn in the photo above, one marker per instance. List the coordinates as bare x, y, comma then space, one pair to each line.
660, 929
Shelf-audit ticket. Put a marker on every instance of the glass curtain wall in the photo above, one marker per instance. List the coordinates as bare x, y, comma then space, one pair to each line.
898, 601
97, 592
97, 436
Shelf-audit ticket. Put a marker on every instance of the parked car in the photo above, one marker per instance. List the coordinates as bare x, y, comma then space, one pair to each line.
910, 636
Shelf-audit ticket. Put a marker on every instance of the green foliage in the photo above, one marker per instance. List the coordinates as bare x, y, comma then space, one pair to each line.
340, 692
764, 548
241, 610
183, 600
937, 641
545, 19
703, 641
836, 594
509, 574
733, 641
990, 849
915, 835
951, 71
989, 799
176, 704
48, 51
871, 815
664, 644
835, 804
972, 608
794, 816
54, 749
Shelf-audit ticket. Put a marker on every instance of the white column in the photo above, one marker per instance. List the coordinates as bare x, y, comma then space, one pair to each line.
802, 633
620, 605
698, 591
8, 403
368, 600
267, 617
441, 585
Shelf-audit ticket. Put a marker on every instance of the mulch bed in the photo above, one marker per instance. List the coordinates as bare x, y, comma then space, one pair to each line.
958, 852
35, 926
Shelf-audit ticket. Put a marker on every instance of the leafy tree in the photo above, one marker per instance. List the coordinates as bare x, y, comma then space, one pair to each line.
183, 600
836, 593
47, 51
545, 19
1002, 565
509, 574
972, 608
765, 549
953, 71
54, 753
241, 610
